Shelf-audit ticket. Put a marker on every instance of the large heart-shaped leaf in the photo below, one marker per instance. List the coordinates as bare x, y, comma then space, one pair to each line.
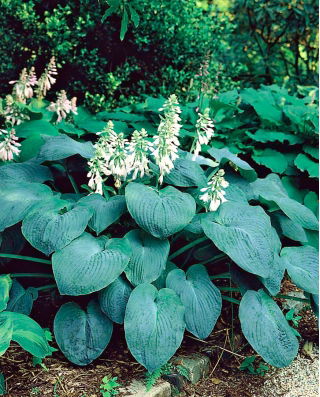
160, 213
186, 173
273, 281
244, 233
114, 298
288, 228
160, 282
89, 264
105, 212
271, 189
302, 265
24, 172
82, 335
201, 299
154, 325
148, 259
35, 128
17, 198
21, 300
53, 224
25, 331
266, 329
5, 286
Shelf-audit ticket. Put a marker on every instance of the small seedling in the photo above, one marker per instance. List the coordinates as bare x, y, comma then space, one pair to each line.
152, 377
183, 371
109, 386
248, 365
290, 316
35, 391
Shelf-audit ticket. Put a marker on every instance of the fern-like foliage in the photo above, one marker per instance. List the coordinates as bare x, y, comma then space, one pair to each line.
152, 377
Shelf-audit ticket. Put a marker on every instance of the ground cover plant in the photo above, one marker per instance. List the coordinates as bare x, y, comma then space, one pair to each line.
130, 211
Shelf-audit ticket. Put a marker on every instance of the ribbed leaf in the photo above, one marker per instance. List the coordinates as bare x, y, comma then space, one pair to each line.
6, 330
160, 213
266, 329
273, 282
154, 325
201, 299
160, 282
53, 224
114, 298
21, 300
5, 286
302, 265
288, 228
89, 264
244, 233
24, 172
186, 173
82, 335
148, 259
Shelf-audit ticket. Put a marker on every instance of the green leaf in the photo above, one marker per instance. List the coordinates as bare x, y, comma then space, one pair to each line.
148, 259
304, 163
6, 331
35, 128
111, 10
124, 24
288, 228
244, 233
272, 136
186, 173
154, 325
266, 329
2, 385
21, 300
273, 282
134, 16
160, 213
53, 224
160, 282
30, 147
271, 189
201, 299
5, 285
313, 151
17, 198
25, 172
105, 212
91, 124
311, 200
271, 159
303, 267
82, 335
61, 147
114, 298
26, 332
89, 264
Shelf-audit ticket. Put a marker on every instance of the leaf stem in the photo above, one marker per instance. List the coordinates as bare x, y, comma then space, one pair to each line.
42, 275
45, 287
232, 300
186, 247
221, 275
73, 182
229, 289
212, 259
294, 298
25, 258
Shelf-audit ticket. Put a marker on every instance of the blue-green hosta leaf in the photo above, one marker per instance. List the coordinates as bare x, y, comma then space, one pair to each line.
186, 173
273, 282
303, 267
305, 163
53, 224
154, 325
82, 335
26, 332
271, 159
224, 155
315, 304
17, 198
271, 189
24, 172
105, 212
311, 200
89, 264
148, 259
114, 298
272, 136
288, 228
201, 299
244, 280
244, 233
266, 329
5, 286
160, 282
61, 147
2, 385
11, 240
160, 213
21, 300
6, 330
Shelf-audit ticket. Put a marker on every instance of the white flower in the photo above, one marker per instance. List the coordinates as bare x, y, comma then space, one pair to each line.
138, 149
63, 106
47, 80
118, 165
12, 112
22, 88
214, 194
205, 131
9, 145
166, 142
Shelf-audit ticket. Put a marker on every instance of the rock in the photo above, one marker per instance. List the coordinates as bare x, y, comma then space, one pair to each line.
138, 389
289, 304
197, 366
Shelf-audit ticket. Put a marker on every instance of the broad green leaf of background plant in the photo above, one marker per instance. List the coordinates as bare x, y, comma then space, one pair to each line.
24, 172
272, 136
82, 335
6, 330
244, 233
148, 259
5, 286
200, 297
26, 332
154, 325
89, 264
36, 128
305, 163
21, 299
53, 224
114, 298
105, 212
266, 329
303, 267
186, 173
271, 189
2, 385
17, 198
271, 159
160, 213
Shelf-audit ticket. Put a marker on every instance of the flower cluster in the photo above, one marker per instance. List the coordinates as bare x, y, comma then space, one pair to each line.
22, 89
214, 194
8, 145
204, 129
63, 106
138, 149
13, 112
46, 80
166, 142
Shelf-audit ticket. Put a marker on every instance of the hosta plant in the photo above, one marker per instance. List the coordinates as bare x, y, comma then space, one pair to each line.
141, 235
